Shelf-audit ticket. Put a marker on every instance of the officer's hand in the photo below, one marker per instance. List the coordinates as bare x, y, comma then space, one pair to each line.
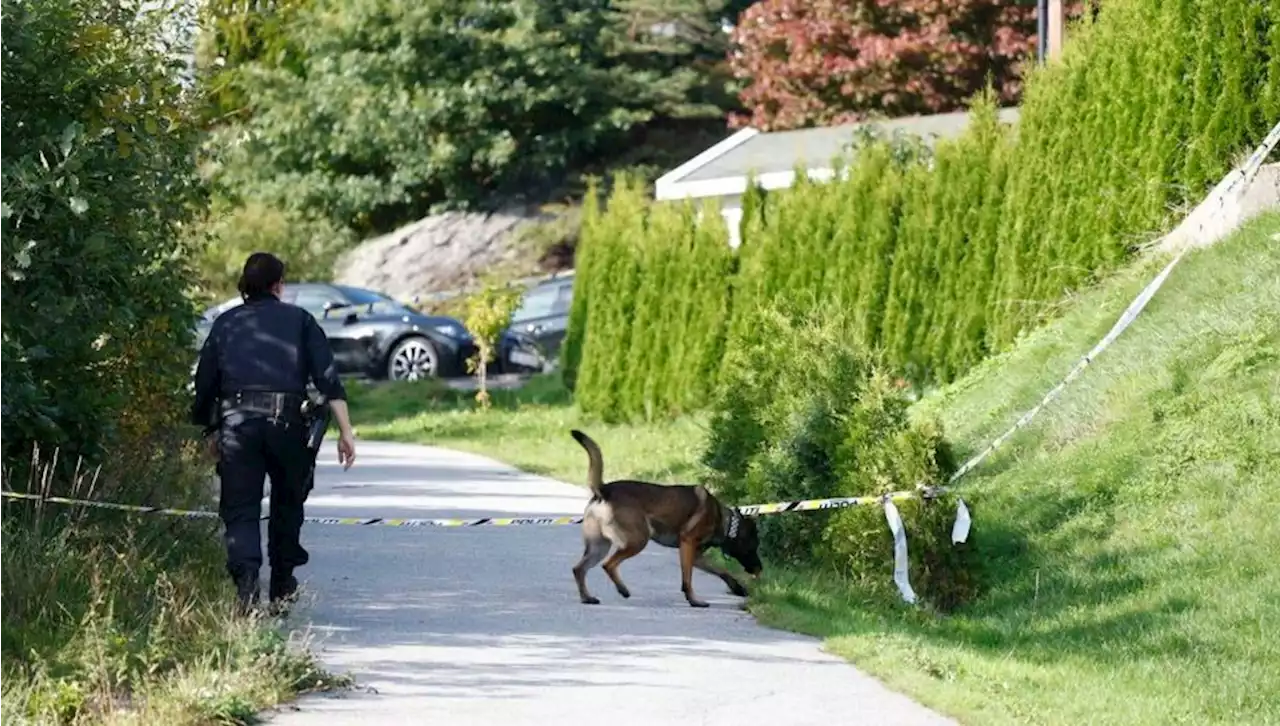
346, 450
211, 446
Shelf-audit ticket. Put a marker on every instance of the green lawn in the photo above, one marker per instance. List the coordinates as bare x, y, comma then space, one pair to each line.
528, 428
1129, 537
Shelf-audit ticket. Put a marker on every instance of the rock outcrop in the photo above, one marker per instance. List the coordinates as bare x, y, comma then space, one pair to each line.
444, 252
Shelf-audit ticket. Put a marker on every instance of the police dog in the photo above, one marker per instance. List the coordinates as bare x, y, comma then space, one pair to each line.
624, 515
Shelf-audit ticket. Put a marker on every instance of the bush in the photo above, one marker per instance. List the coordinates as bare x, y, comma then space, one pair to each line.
104, 614
841, 430
943, 256
391, 110
486, 314
823, 63
109, 616
225, 236
98, 179
657, 326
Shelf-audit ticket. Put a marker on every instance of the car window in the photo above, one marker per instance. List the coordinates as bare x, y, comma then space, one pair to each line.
362, 297
564, 299
212, 313
537, 303
311, 297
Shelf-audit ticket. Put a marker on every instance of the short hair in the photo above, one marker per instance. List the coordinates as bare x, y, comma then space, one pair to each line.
261, 273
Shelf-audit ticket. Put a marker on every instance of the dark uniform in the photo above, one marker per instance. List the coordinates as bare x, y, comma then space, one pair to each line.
250, 384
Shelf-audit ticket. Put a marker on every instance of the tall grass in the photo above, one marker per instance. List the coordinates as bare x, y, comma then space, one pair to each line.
111, 617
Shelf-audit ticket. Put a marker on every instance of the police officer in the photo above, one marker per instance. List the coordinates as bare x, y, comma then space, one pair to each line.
250, 385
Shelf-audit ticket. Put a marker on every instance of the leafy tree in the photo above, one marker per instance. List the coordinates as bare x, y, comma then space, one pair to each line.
821, 62
486, 314
233, 34
98, 179
679, 49
403, 107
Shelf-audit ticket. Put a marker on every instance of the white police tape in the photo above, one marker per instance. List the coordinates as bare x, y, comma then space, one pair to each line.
899, 532
1242, 174
773, 508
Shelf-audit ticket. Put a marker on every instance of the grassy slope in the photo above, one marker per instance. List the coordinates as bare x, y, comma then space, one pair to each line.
1128, 536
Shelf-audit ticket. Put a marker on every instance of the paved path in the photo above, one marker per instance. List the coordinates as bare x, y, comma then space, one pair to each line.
482, 625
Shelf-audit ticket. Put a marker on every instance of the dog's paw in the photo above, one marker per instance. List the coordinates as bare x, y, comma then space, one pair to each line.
623, 591
737, 589
590, 601
698, 604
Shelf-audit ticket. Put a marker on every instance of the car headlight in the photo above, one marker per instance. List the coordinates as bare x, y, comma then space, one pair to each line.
452, 330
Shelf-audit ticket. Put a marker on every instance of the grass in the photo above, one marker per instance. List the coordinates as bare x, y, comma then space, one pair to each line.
1127, 537
527, 428
111, 618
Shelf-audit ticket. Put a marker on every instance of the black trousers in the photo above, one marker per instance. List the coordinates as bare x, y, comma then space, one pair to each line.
253, 447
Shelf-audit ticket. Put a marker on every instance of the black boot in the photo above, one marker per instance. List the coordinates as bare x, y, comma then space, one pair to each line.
283, 589
247, 589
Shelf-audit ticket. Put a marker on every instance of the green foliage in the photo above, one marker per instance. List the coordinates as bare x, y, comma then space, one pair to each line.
841, 430
104, 616
1125, 539
225, 237
234, 33
109, 618
486, 314
98, 179
942, 256
649, 343
584, 279
399, 107
679, 51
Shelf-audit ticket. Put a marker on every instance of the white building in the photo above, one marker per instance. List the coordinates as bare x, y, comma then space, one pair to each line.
722, 170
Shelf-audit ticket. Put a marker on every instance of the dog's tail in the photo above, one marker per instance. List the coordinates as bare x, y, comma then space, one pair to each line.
595, 468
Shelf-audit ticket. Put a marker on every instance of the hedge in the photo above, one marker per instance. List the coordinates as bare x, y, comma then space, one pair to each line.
651, 290
940, 256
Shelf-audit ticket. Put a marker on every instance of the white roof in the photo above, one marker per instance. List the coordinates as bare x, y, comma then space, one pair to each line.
722, 170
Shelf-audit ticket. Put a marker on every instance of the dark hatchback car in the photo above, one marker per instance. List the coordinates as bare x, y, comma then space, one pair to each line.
373, 335
543, 316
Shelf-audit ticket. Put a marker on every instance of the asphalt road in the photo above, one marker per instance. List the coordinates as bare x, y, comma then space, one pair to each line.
483, 625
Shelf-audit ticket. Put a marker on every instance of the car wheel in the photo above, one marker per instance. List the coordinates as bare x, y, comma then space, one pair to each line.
413, 359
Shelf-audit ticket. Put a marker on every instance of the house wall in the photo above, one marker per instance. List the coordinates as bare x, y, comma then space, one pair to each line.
731, 210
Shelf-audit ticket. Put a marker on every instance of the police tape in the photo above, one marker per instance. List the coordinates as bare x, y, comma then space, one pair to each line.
1242, 174
960, 530
805, 505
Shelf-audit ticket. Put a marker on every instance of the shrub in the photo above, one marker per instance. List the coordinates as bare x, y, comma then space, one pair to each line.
103, 612
841, 430
98, 179
226, 236
391, 110
651, 305
583, 281
486, 314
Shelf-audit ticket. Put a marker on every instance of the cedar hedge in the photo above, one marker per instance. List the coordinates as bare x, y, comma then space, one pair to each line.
939, 257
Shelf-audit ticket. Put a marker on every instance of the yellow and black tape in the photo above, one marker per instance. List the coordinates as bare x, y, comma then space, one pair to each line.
805, 505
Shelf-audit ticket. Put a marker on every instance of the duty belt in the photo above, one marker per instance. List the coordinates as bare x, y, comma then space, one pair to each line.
273, 403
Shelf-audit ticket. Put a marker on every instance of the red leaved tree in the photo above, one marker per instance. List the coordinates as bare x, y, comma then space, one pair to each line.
822, 62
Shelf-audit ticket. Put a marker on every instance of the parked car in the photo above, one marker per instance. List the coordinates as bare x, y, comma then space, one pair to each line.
543, 316
376, 336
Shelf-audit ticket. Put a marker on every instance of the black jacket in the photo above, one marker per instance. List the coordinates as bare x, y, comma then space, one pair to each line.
262, 345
